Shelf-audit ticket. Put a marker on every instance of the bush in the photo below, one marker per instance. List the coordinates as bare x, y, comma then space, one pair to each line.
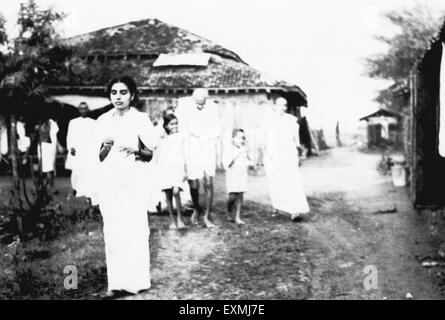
44, 224
32, 268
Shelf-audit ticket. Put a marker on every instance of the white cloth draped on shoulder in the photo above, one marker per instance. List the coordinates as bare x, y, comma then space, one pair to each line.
84, 164
282, 164
125, 187
201, 129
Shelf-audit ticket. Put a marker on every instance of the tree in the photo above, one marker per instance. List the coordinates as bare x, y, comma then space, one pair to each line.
416, 27
27, 64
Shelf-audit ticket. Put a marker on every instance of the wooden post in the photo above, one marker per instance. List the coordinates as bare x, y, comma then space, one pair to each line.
413, 136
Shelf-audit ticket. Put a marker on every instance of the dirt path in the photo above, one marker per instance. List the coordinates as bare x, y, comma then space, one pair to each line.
323, 258
272, 257
264, 259
349, 232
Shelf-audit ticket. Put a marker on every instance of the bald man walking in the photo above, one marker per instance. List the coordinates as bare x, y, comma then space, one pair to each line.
199, 122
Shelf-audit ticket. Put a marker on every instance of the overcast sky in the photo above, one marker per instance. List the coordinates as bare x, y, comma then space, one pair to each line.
317, 44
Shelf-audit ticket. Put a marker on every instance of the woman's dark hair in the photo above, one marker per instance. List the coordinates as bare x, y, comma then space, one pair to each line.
131, 85
167, 119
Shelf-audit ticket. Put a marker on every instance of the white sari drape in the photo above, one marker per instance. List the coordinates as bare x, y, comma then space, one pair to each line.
281, 164
125, 186
84, 164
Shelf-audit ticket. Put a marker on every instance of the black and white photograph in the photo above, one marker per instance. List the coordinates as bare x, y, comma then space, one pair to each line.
222, 150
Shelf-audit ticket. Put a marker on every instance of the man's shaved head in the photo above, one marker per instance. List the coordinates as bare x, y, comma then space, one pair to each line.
200, 95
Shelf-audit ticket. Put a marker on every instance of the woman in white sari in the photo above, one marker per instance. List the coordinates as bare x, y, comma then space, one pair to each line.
281, 162
125, 181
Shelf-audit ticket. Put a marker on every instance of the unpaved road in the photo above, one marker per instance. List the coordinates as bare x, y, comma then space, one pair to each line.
274, 258
350, 233
322, 258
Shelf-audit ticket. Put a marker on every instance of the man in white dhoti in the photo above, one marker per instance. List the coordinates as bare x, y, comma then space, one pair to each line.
82, 157
3, 138
199, 122
281, 162
47, 148
23, 141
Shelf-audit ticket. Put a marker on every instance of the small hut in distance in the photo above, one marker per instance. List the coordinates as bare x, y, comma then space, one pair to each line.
383, 128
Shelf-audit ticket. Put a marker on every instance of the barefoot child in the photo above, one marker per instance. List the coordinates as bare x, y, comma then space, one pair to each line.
171, 165
236, 162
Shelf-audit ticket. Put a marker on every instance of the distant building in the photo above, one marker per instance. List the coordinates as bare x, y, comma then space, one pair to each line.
383, 127
169, 63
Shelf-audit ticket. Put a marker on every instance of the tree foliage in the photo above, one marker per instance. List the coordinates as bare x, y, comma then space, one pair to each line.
416, 26
35, 57
3, 35
27, 64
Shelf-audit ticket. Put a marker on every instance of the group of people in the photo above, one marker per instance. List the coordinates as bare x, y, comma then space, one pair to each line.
121, 161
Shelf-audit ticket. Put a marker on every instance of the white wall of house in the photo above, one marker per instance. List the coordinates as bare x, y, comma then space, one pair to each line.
247, 111
75, 99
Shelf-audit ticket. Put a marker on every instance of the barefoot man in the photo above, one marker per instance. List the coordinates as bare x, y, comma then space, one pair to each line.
199, 122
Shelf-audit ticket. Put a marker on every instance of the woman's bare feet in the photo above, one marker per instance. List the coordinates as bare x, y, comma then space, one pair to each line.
181, 224
115, 294
296, 217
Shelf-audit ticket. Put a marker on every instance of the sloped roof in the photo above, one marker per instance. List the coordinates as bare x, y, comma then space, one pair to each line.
132, 48
380, 113
220, 73
146, 36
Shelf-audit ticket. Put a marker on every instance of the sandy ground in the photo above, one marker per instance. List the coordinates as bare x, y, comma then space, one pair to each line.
323, 257
345, 233
350, 233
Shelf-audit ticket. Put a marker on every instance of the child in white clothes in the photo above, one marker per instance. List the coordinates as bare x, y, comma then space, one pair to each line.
171, 166
236, 161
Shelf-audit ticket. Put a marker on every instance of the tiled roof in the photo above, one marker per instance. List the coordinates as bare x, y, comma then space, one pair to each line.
152, 37
146, 36
220, 73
